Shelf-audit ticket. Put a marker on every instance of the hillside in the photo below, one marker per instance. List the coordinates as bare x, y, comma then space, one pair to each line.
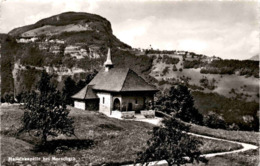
255, 58
68, 44
230, 78
71, 27
101, 140
62, 20
228, 99
75, 44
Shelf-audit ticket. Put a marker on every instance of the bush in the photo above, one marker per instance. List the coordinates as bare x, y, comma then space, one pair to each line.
165, 71
208, 84
45, 112
213, 120
9, 98
192, 64
170, 60
244, 67
170, 142
174, 68
232, 110
179, 101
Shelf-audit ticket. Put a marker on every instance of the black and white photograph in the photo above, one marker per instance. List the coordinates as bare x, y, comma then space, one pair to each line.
129, 82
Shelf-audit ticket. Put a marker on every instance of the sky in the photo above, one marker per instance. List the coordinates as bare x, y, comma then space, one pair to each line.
227, 29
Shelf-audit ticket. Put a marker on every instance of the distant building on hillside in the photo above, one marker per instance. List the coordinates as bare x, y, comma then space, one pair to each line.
180, 52
115, 89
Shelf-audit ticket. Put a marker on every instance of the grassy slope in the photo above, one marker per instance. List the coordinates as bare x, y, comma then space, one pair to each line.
241, 136
232, 110
212, 146
248, 158
223, 85
115, 141
14, 147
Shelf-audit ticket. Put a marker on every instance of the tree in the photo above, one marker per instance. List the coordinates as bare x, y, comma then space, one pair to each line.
69, 89
179, 101
214, 120
171, 142
90, 76
9, 98
174, 68
81, 84
45, 111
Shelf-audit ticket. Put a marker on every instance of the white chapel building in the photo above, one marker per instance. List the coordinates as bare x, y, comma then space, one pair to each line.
115, 89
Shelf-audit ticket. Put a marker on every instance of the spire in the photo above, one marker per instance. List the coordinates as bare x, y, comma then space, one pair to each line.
108, 63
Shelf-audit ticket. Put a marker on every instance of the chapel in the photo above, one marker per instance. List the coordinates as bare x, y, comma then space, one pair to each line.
115, 89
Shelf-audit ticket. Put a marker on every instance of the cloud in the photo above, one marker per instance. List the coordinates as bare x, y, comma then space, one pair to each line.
192, 45
130, 30
237, 41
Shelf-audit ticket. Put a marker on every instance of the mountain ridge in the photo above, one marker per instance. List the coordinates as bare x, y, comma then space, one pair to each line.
61, 19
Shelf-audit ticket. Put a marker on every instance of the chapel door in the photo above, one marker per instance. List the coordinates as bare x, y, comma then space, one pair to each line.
130, 107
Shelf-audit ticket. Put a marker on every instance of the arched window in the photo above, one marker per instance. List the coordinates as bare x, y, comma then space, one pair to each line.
116, 105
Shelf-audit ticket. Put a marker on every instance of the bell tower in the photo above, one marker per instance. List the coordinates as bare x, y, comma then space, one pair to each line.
108, 63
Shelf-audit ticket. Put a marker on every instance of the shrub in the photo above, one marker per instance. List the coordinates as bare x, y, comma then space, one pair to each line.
165, 71
208, 84
244, 67
192, 64
179, 101
213, 120
45, 112
69, 89
232, 110
174, 68
170, 142
170, 60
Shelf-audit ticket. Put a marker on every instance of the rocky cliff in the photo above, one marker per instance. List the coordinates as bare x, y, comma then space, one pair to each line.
68, 44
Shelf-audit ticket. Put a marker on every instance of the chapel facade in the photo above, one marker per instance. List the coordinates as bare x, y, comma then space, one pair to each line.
115, 89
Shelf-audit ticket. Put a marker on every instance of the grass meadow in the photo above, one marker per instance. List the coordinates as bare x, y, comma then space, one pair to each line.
100, 140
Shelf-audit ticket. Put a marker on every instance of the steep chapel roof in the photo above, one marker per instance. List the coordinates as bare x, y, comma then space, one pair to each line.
120, 80
114, 80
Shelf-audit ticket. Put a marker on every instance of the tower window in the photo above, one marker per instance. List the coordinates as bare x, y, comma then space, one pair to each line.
103, 100
135, 101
